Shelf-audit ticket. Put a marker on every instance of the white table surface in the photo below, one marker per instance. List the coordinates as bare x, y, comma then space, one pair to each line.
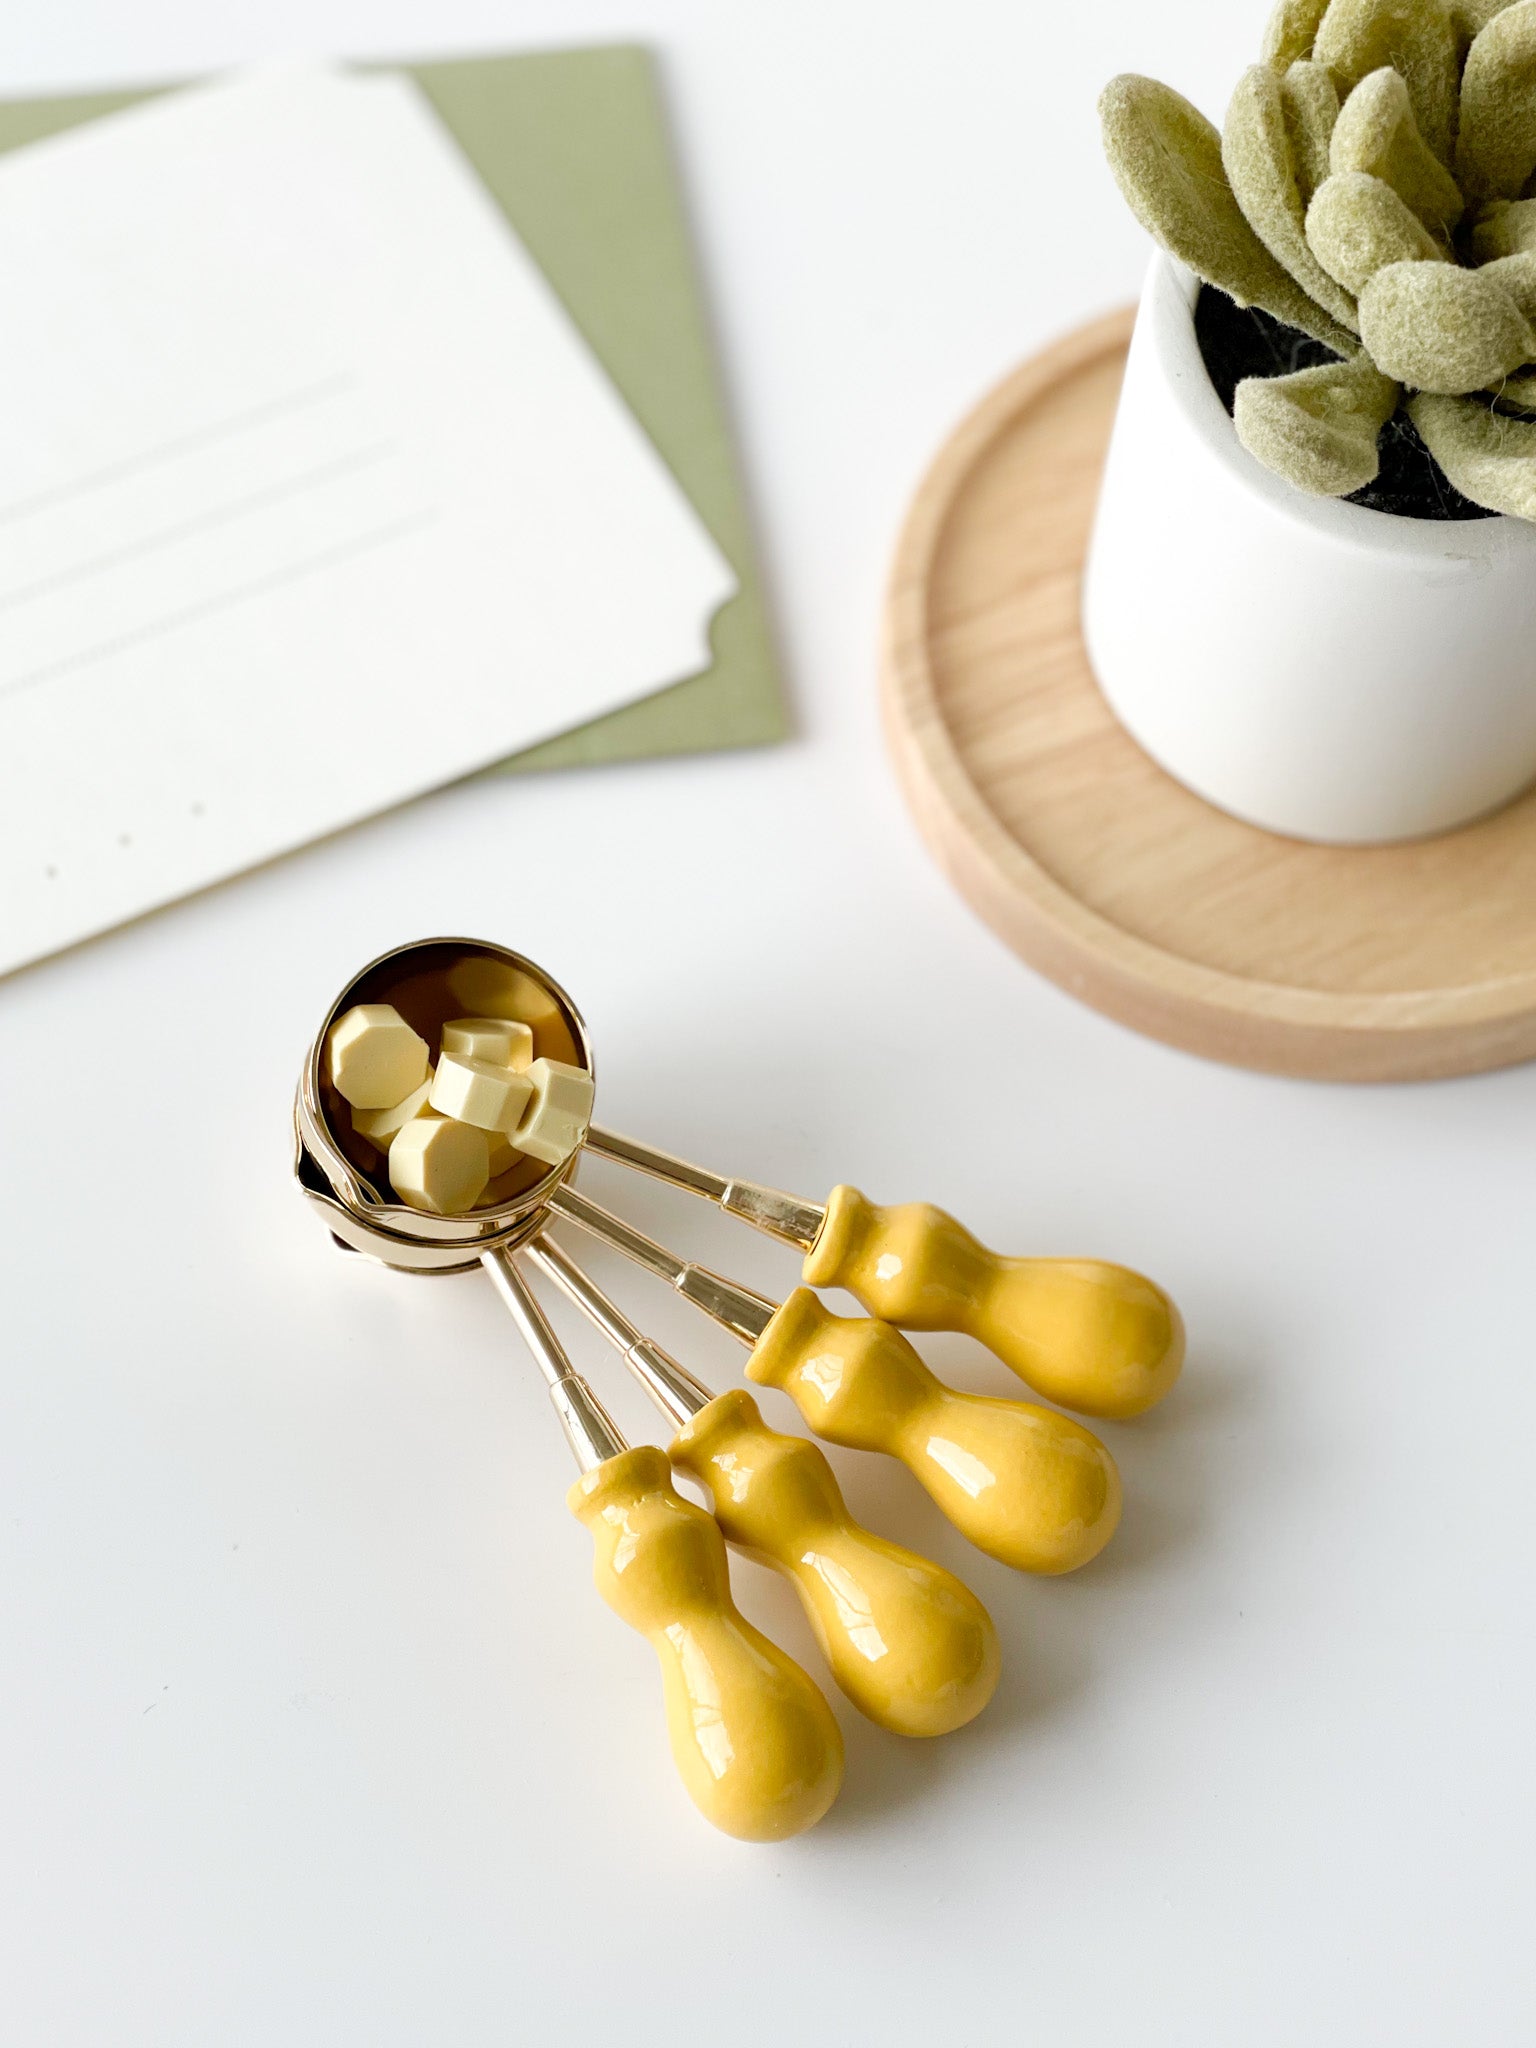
312, 1730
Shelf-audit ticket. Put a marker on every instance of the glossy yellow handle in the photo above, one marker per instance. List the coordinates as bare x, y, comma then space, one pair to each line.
754, 1741
1095, 1337
910, 1646
1025, 1484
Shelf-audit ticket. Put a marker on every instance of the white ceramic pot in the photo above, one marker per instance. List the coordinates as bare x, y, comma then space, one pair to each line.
1319, 669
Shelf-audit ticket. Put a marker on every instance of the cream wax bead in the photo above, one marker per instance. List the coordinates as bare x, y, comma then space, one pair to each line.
492, 1098
493, 988
500, 1041
555, 1122
439, 1165
376, 1059
379, 1126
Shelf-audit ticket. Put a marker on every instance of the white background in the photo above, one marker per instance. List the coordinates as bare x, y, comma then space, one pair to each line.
312, 1730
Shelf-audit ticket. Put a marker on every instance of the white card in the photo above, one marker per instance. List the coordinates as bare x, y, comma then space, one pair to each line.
313, 498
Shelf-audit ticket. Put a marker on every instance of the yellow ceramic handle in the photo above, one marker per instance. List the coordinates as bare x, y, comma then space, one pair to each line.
754, 1741
1025, 1484
910, 1646
1095, 1337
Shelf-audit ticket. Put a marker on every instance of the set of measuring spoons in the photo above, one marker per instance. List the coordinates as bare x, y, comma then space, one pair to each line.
755, 1743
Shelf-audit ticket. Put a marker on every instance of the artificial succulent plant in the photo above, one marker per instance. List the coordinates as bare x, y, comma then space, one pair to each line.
1374, 186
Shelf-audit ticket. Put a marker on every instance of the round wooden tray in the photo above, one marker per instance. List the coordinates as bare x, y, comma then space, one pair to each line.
1352, 964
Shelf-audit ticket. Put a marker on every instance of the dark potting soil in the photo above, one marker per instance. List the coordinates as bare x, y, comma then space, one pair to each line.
1243, 341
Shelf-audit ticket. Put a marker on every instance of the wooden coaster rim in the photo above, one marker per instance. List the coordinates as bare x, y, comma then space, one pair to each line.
1242, 1019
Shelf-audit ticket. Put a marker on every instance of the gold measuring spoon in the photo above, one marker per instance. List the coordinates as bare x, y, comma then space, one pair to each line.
1094, 1336
912, 1647
1028, 1486
755, 1744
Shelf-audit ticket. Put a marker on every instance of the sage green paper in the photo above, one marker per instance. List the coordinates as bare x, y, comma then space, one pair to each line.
573, 146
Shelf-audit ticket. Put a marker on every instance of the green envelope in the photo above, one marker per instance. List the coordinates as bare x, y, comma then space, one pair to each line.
573, 146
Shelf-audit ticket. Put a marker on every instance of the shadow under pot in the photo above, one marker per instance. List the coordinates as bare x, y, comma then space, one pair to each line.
1318, 667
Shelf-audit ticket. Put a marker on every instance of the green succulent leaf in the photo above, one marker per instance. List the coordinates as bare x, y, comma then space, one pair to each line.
1504, 227
1291, 31
1256, 154
1357, 225
1166, 158
1416, 39
1317, 428
1311, 108
1471, 17
1496, 152
1517, 275
1490, 458
1377, 133
1441, 329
